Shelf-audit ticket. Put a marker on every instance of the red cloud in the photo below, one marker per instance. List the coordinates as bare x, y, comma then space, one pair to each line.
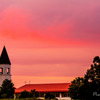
13, 23
51, 26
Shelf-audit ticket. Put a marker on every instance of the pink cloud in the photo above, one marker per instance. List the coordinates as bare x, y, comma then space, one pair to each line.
13, 23
68, 25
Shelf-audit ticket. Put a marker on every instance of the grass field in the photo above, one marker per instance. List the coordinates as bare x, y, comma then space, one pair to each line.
27, 99
21, 99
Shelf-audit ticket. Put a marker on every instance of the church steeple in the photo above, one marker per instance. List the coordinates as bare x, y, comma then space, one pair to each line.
4, 59
5, 66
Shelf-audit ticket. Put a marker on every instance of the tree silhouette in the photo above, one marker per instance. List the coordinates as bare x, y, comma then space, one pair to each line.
74, 90
24, 94
7, 89
90, 84
92, 79
34, 94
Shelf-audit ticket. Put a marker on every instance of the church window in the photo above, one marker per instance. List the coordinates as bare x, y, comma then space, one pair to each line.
8, 70
1, 70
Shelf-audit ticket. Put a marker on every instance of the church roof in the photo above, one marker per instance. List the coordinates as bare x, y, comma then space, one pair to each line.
4, 59
44, 88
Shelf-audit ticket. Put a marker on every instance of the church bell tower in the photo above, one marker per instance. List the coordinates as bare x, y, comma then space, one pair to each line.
5, 66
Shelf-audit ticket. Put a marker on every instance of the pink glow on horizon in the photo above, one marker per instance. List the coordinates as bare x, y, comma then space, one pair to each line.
37, 80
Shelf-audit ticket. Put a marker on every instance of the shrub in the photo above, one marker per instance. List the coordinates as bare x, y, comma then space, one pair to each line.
49, 96
34, 94
24, 94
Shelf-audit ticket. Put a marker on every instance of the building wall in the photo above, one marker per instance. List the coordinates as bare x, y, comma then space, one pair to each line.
5, 72
58, 95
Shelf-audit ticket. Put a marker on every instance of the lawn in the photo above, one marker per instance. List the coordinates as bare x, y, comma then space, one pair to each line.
26, 99
21, 99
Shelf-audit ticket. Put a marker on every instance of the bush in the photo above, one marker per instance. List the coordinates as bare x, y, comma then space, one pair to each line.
3, 95
34, 94
49, 96
24, 94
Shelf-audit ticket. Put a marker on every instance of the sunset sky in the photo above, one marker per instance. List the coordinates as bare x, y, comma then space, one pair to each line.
49, 41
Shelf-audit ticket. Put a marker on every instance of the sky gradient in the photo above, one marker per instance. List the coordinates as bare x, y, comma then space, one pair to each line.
49, 41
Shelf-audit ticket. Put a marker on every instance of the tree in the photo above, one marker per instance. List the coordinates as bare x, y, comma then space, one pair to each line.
93, 74
7, 89
89, 84
92, 79
75, 88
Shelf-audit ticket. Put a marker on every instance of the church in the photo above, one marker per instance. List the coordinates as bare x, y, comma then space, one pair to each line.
5, 66
59, 89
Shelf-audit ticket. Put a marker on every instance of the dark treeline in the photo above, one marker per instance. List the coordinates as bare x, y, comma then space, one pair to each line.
87, 87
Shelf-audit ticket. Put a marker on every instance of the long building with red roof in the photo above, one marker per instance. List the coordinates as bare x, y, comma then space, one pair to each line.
59, 89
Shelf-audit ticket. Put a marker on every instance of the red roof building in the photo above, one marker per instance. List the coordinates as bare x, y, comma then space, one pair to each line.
61, 89
57, 87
